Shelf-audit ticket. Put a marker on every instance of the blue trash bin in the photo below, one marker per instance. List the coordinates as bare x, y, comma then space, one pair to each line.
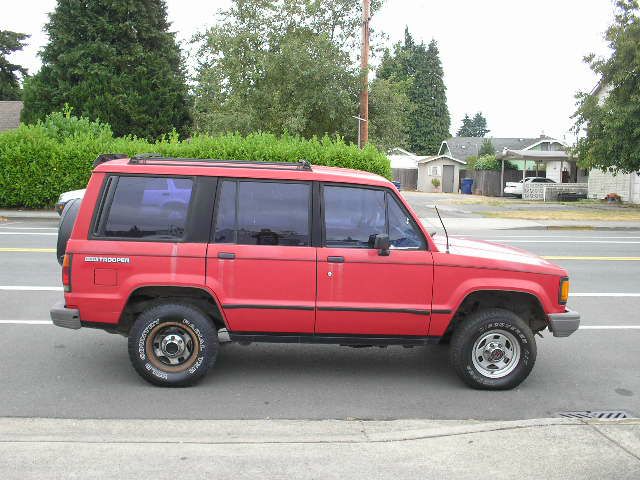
397, 184
467, 183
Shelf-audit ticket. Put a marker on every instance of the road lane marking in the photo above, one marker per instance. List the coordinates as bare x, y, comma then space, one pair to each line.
3, 226
609, 327
52, 234
608, 242
612, 294
26, 322
598, 237
29, 288
28, 250
612, 259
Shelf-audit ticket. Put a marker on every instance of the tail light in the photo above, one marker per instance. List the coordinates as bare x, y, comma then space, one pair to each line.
66, 272
563, 294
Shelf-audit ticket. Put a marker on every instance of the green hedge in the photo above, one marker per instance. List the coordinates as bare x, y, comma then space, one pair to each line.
38, 162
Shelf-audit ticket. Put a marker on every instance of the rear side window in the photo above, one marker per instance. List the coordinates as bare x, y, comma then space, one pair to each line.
147, 208
263, 213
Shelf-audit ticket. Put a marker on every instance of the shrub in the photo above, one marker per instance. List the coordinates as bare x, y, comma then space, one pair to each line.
490, 162
39, 161
435, 182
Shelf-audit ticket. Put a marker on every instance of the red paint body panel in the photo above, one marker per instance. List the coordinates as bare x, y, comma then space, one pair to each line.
264, 276
367, 280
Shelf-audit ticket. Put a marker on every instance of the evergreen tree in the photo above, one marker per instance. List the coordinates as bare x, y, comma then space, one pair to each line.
466, 130
473, 127
113, 60
10, 73
487, 148
420, 67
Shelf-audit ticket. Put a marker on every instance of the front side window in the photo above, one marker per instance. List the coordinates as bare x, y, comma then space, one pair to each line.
263, 213
403, 233
354, 216
149, 208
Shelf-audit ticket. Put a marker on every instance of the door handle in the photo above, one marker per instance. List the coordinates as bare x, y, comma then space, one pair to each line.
227, 256
335, 259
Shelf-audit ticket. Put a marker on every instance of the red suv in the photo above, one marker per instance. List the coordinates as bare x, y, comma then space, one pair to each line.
169, 252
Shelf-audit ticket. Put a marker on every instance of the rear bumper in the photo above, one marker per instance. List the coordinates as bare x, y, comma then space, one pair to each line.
564, 324
62, 316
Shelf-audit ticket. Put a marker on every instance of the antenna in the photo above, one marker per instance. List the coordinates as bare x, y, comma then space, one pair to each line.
443, 227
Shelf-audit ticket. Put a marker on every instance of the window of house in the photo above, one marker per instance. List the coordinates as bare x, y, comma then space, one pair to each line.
263, 213
434, 171
149, 208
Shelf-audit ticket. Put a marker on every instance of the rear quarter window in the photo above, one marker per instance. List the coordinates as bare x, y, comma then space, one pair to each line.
146, 208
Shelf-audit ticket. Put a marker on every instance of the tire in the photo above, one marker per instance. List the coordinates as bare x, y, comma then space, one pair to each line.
65, 227
172, 344
504, 346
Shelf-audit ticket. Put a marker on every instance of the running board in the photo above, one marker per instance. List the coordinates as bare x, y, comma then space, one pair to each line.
332, 339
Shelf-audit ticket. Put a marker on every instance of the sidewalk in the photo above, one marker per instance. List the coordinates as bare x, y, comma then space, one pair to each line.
16, 214
327, 449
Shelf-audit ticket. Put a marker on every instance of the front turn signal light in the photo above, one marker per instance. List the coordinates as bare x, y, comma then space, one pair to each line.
564, 291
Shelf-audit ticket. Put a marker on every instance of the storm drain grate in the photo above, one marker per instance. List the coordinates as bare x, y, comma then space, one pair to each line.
600, 414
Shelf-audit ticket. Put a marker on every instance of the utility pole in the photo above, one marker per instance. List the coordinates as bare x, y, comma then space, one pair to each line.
363, 125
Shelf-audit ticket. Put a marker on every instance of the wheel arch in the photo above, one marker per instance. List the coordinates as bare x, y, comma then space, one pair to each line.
526, 305
145, 296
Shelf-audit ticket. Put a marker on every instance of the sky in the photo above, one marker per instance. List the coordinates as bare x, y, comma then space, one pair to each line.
518, 62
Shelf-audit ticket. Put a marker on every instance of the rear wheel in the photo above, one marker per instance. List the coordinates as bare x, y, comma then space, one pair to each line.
172, 345
493, 349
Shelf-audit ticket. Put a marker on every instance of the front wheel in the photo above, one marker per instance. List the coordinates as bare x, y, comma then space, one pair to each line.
493, 349
172, 345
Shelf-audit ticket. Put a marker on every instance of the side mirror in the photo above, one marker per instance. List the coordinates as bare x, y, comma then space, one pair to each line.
382, 244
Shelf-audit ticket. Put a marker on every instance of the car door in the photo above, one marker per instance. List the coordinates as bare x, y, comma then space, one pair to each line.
361, 292
261, 263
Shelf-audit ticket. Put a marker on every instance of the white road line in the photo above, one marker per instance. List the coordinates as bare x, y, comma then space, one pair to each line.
29, 288
26, 322
609, 327
612, 294
594, 237
52, 234
608, 242
4, 227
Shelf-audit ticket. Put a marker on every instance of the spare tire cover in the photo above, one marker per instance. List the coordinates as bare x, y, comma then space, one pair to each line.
67, 220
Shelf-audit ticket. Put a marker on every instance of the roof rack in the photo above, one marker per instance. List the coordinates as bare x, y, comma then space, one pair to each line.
105, 157
156, 159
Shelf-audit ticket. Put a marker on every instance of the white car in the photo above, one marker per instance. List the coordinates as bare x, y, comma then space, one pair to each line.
67, 196
516, 188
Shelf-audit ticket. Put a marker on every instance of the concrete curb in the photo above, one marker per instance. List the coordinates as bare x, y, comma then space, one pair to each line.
28, 215
41, 430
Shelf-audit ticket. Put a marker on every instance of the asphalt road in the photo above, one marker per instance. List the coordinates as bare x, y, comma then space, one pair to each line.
52, 372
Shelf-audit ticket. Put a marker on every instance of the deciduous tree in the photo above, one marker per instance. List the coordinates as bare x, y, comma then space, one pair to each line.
608, 119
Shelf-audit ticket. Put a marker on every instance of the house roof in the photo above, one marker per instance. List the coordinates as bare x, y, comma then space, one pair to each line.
537, 155
424, 160
10, 114
465, 147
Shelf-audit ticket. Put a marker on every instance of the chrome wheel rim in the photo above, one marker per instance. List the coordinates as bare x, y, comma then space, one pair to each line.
496, 353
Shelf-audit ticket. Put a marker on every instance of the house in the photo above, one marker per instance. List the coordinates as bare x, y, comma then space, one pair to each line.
415, 172
544, 155
602, 183
444, 168
10, 114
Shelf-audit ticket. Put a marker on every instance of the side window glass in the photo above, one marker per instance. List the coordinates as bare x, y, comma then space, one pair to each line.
353, 216
268, 213
403, 233
226, 219
153, 208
